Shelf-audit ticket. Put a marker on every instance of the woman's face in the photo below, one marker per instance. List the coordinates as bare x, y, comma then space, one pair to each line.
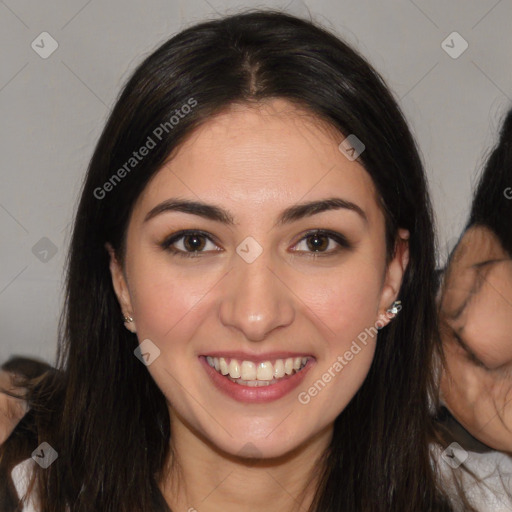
476, 321
250, 287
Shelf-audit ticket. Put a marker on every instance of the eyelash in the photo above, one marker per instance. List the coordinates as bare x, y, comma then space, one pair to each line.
471, 356
337, 237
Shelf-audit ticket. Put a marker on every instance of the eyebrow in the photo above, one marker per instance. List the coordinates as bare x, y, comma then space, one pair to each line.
477, 284
482, 264
218, 214
454, 315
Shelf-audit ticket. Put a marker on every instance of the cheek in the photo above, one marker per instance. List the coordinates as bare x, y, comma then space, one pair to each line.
346, 300
163, 298
343, 307
488, 325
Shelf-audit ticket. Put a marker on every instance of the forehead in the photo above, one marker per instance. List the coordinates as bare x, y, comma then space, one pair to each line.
262, 156
467, 268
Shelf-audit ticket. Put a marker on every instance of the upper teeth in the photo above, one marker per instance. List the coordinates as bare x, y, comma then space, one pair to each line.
265, 370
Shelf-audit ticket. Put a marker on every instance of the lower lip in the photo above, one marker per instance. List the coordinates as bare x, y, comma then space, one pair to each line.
259, 394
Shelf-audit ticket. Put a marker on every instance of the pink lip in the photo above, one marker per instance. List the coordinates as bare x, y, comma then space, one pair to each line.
255, 394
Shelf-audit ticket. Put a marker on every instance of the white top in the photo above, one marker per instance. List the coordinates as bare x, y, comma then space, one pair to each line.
493, 468
21, 478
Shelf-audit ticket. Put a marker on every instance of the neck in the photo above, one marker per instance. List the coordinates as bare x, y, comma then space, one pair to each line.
200, 477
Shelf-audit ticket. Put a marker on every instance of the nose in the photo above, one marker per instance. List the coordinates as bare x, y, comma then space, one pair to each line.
256, 300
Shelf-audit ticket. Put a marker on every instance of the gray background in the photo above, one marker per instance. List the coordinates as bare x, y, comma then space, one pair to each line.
53, 109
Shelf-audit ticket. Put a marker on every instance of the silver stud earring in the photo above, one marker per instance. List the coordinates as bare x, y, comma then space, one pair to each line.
128, 319
395, 307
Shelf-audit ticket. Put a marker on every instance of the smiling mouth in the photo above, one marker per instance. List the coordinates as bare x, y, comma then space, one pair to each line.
264, 373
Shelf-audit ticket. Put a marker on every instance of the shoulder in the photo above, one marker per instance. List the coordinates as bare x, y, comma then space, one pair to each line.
486, 478
494, 469
21, 475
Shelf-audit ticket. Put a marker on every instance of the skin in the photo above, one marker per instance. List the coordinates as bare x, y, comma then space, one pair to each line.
476, 382
11, 409
255, 162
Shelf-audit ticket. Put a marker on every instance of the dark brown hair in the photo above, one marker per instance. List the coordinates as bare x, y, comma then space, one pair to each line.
492, 202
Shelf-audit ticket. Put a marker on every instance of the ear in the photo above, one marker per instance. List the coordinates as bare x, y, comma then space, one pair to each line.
120, 287
394, 275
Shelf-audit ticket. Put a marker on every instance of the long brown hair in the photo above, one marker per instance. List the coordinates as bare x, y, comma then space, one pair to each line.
102, 411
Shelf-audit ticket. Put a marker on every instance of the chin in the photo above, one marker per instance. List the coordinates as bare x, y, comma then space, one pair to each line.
254, 447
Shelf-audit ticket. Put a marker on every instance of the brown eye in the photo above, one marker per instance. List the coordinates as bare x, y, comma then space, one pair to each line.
193, 242
323, 242
318, 242
188, 244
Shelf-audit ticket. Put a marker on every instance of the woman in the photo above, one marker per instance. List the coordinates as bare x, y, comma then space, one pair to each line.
476, 305
255, 212
475, 309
